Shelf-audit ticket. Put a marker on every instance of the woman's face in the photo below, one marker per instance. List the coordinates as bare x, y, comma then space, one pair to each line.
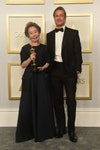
33, 34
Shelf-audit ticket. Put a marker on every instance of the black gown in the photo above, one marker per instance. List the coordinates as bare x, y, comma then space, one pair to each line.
35, 119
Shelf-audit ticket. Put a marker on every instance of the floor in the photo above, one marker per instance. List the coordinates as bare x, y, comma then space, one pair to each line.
88, 139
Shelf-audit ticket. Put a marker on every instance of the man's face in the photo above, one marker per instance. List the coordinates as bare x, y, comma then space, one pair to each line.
59, 18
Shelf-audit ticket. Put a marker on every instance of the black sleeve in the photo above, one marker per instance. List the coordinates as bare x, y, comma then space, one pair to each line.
23, 54
47, 55
78, 53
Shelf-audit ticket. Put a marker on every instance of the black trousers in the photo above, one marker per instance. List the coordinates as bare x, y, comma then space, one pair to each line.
59, 81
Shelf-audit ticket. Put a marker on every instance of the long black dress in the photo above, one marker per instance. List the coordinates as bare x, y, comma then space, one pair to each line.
35, 118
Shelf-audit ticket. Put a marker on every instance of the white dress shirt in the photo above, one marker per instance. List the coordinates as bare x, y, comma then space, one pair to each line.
58, 45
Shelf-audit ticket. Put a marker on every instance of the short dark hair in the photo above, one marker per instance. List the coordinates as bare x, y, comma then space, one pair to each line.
32, 24
59, 8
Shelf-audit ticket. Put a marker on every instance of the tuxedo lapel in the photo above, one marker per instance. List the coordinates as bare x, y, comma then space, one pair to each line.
65, 37
53, 41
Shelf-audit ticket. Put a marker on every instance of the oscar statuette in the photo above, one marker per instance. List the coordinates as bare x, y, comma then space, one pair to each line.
32, 50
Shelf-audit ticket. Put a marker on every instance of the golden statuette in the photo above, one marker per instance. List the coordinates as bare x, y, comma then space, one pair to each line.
32, 50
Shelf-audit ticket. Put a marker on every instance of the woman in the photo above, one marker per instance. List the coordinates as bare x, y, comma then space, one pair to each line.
35, 118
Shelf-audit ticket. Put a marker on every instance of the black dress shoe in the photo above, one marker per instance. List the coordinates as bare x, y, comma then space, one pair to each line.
59, 133
65, 130
72, 137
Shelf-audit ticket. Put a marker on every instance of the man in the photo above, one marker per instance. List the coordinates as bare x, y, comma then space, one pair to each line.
66, 59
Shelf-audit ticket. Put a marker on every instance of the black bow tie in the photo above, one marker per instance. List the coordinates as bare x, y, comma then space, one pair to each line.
59, 29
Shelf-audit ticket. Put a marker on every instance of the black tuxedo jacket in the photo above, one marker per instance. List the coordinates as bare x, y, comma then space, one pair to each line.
71, 50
